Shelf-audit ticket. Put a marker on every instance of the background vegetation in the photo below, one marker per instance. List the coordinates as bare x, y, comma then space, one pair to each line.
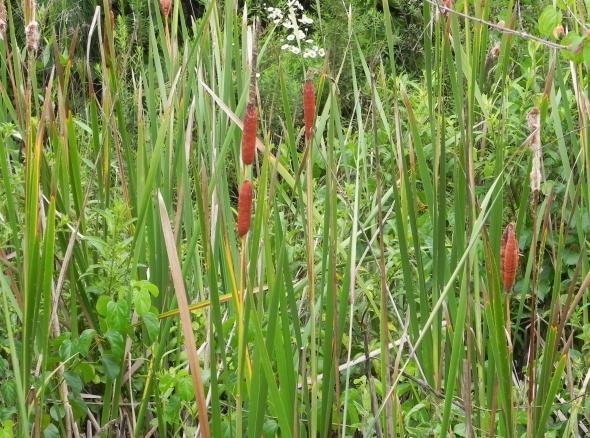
367, 298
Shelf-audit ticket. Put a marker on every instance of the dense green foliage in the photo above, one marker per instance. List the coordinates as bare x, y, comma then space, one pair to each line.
367, 298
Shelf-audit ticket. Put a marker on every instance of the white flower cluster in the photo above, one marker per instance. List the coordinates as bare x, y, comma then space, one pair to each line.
295, 22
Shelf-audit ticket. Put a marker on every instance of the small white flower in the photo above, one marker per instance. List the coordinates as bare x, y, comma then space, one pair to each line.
290, 37
285, 46
295, 50
309, 41
321, 52
299, 34
305, 19
309, 53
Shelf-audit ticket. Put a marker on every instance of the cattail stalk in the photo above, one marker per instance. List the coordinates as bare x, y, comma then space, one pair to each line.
244, 208
534, 124
308, 116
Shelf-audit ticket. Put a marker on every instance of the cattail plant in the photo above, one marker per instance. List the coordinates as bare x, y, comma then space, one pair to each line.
244, 208
249, 134
509, 256
308, 108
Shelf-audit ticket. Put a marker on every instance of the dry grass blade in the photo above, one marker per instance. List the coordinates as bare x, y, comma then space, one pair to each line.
185, 317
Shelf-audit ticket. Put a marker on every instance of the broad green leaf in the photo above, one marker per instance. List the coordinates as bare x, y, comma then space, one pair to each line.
116, 342
51, 431
74, 382
117, 315
85, 340
184, 388
142, 301
550, 18
111, 367
152, 325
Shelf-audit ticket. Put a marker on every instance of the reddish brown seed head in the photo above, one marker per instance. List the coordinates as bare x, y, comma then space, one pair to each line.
308, 108
244, 208
249, 134
166, 5
509, 256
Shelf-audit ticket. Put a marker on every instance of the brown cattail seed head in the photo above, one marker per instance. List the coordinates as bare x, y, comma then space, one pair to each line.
308, 108
244, 208
166, 5
509, 256
2, 20
32, 36
249, 134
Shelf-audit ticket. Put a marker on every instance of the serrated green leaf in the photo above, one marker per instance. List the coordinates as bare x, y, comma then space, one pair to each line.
117, 315
184, 388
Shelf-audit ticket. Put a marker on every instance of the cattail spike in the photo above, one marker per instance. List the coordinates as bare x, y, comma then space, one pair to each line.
32, 36
509, 256
249, 134
308, 108
166, 5
244, 208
